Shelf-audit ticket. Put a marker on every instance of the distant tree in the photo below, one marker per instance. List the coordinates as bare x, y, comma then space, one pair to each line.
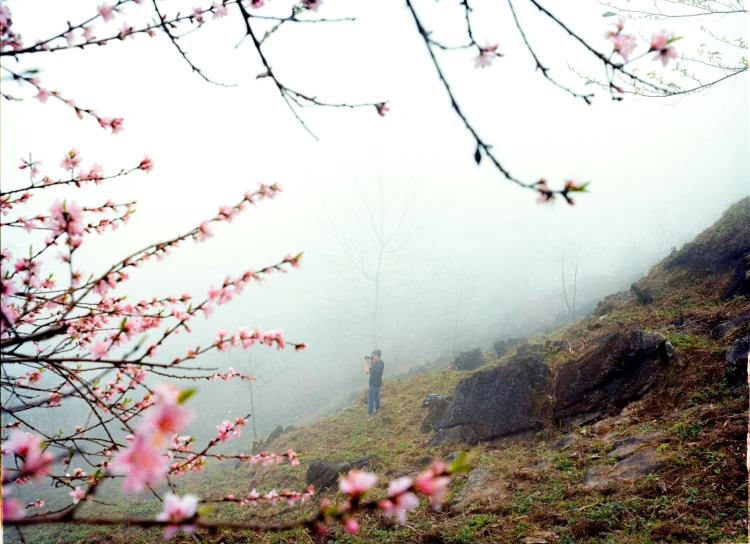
374, 233
568, 259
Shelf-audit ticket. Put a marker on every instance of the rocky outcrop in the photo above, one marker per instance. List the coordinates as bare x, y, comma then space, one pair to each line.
635, 467
624, 366
739, 282
513, 401
498, 401
469, 360
436, 410
642, 293
500, 347
738, 351
323, 474
722, 329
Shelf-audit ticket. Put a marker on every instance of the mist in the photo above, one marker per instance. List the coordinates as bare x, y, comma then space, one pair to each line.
409, 246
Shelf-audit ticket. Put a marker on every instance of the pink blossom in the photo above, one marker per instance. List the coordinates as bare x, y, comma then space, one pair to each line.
141, 462
382, 108
99, 350
106, 11
400, 501
147, 164
204, 231
28, 446
78, 494
72, 159
178, 509
660, 42
357, 482
88, 33
43, 95
219, 9
624, 44
432, 484
312, 5
255, 4
351, 525
198, 14
486, 55
55, 399
168, 416
13, 509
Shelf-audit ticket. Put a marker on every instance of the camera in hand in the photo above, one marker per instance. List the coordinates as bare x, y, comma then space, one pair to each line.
368, 357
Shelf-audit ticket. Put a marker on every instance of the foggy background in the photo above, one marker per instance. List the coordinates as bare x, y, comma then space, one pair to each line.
473, 256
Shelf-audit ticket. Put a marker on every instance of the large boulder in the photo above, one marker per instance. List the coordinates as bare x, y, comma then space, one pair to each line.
739, 282
624, 366
500, 400
323, 474
469, 360
738, 351
501, 347
722, 329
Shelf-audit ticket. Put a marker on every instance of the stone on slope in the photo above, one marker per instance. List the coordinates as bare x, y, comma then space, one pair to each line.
499, 401
635, 467
739, 282
738, 351
625, 447
722, 329
481, 485
436, 410
323, 474
624, 366
469, 360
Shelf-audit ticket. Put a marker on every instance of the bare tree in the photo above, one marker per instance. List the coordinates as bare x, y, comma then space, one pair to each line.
374, 240
568, 258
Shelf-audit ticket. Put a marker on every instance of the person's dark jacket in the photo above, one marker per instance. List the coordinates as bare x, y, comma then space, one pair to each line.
376, 374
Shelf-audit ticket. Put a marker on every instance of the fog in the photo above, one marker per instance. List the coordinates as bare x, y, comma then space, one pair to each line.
472, 257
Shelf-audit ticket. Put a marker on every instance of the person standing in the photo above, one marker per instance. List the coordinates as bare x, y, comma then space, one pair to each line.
374, 367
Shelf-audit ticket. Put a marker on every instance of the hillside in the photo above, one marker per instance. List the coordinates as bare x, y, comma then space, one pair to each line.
536, 488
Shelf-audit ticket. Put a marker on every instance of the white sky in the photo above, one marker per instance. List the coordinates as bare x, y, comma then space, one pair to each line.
656, 165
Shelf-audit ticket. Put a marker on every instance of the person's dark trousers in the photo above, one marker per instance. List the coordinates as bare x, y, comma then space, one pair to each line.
373, 399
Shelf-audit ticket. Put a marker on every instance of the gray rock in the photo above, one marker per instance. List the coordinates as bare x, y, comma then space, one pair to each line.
277, 432
565, 442
624, 366
469, 360
323, 474
636, 467
643, 293
627, 446
461, 434
537, 466
578, 420
452, 457
436, 410
501, 400
739, 282
501, 347
738, 351
481, 484
475, 482
722, 329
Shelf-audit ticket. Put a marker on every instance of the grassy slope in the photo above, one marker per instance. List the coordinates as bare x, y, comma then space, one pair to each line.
699, 408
